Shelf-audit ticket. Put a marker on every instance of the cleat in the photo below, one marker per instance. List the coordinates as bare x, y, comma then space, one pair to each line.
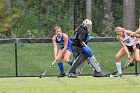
118, 75
61, 75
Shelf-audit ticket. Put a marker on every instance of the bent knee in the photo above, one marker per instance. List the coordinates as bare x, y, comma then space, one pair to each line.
117, 58
137, 59
65, 59
59, 60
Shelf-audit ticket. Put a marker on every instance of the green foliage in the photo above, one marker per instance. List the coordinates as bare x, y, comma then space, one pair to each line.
52, 13
117, 8
1, 8
97, 17
34, 18
28, 25
6, 23
37, 18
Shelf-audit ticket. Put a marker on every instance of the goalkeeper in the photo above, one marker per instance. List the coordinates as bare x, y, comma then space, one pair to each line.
82, 52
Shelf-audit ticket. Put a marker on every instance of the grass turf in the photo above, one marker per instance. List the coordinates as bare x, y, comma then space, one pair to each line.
82, 84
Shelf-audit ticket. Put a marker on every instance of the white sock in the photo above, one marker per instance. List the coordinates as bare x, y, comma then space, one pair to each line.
118, 65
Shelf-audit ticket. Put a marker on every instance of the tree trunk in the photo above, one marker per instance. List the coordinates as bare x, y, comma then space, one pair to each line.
9, 4
129, 14
89, 10
108, 19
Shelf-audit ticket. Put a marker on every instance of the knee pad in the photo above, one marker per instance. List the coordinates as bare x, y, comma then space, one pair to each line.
87, 51
94, 64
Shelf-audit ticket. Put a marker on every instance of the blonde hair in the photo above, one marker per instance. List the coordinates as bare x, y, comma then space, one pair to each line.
57, 27
118, 29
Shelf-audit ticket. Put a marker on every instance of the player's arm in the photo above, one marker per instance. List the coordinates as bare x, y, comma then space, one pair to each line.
137, 31
55, 47
124, 46
131, 33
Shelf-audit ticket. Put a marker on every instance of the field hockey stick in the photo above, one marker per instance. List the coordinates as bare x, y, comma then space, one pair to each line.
78, 69
46, 70
125, 66
131, 63
53, 63
136, 36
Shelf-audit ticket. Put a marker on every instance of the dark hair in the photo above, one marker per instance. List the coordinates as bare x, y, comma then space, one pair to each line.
77, 29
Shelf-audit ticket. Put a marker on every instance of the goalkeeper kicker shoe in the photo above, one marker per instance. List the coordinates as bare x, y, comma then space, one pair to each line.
98, 74
72, 75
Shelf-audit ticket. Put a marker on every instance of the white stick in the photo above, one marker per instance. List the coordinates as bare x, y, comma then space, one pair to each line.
52, 63
44, 72
47, 69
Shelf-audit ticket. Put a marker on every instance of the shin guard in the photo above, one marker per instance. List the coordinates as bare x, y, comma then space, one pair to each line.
77, 62
93, 63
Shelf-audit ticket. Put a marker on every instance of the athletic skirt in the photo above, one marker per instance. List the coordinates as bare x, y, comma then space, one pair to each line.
130, 48
68, 49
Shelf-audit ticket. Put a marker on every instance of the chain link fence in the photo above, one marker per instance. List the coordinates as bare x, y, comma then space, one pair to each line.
31, 57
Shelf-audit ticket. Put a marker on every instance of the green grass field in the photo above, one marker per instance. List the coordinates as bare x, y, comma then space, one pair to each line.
82, 84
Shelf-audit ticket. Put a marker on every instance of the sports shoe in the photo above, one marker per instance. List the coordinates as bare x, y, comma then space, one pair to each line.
61, 75
118, 75
72, 75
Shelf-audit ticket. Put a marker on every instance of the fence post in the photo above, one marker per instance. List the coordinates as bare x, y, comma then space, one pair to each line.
75, 13
136, 70
16, 64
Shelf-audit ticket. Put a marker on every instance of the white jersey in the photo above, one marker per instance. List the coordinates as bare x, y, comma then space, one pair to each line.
128, 40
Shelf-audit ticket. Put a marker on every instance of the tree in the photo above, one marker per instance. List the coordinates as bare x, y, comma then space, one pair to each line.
129, 14
9, 4
108, 18
89, 9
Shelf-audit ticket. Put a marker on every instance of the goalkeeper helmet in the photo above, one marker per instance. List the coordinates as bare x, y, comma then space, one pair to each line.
88, 24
